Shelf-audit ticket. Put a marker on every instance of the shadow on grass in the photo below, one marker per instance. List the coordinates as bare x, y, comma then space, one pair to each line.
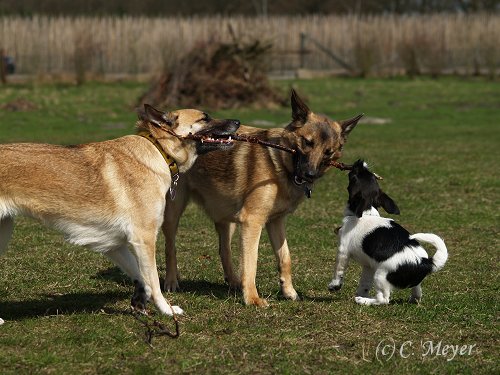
202, 287
114, 274
60, 304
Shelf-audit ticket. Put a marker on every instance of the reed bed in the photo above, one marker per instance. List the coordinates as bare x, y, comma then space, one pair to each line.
373, 45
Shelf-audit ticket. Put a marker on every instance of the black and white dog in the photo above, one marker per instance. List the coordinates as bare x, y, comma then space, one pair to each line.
390, 256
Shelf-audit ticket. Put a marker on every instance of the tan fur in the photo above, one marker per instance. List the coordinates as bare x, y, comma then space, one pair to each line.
253, 186
103, 195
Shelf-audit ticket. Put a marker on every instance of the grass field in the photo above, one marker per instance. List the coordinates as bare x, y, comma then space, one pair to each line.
65, 307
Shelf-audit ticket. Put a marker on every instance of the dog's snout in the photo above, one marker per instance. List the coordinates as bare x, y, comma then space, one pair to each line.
310, 173
233, 125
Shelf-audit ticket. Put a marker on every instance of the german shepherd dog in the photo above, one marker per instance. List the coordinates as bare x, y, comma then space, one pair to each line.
109, 194
256, 186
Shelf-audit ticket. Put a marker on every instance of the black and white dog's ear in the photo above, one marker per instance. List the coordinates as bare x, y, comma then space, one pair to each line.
388, 204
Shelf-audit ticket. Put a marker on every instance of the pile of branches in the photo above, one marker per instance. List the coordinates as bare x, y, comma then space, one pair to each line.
216, 75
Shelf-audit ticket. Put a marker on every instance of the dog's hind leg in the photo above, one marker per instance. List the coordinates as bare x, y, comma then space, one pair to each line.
365, 282
6, 228
225, 232
383, 291
416, 294
277, 235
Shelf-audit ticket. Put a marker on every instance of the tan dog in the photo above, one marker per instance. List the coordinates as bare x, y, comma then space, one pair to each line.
107, 195
256, 186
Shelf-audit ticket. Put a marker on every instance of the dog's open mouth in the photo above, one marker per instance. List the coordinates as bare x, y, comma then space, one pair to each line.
223, 139
217, 138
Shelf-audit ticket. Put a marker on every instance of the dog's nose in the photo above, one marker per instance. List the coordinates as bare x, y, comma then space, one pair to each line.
310, 174
236, 122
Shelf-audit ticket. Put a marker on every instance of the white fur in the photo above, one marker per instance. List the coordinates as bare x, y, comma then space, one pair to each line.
353, 232
441, 255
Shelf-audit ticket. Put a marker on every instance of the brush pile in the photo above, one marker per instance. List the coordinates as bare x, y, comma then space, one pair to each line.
216, 75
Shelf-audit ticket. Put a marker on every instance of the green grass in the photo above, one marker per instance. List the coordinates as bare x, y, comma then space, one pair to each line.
65, 306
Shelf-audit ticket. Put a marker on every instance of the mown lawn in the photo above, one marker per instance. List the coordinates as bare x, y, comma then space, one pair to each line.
65, 307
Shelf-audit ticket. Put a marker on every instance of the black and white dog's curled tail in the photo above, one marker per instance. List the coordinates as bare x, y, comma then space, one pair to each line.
439, 259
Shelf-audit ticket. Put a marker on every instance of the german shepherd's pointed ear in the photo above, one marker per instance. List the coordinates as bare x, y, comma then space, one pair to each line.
388, 204
349, 124
300, 110
155, 117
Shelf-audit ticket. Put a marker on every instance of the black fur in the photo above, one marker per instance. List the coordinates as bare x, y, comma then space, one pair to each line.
409, 275
384, 242
364, 192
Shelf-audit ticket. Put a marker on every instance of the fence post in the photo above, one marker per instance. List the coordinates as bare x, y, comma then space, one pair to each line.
3, 68
302, 50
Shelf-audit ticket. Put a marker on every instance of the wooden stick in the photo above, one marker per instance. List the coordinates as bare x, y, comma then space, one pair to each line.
255, 140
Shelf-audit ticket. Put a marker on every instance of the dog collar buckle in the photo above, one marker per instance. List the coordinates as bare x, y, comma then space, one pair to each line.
173, 185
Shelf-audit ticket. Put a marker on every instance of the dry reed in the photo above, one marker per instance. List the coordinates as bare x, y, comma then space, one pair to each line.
372, 45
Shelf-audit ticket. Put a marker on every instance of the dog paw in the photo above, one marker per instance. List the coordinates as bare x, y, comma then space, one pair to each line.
177, 310
415, 300
2, 321
257, 301
335, 286
234, 284
363, 300
291, 294
171, 285
139, 298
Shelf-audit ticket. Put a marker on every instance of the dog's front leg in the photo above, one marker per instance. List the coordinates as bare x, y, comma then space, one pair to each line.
250, 236
149, 283
173, 212
277, 235
225, 232
340, 267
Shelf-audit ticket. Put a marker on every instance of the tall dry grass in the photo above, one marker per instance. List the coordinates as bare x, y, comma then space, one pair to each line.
372, 45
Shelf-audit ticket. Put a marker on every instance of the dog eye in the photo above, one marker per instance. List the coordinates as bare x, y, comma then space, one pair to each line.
307, 142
